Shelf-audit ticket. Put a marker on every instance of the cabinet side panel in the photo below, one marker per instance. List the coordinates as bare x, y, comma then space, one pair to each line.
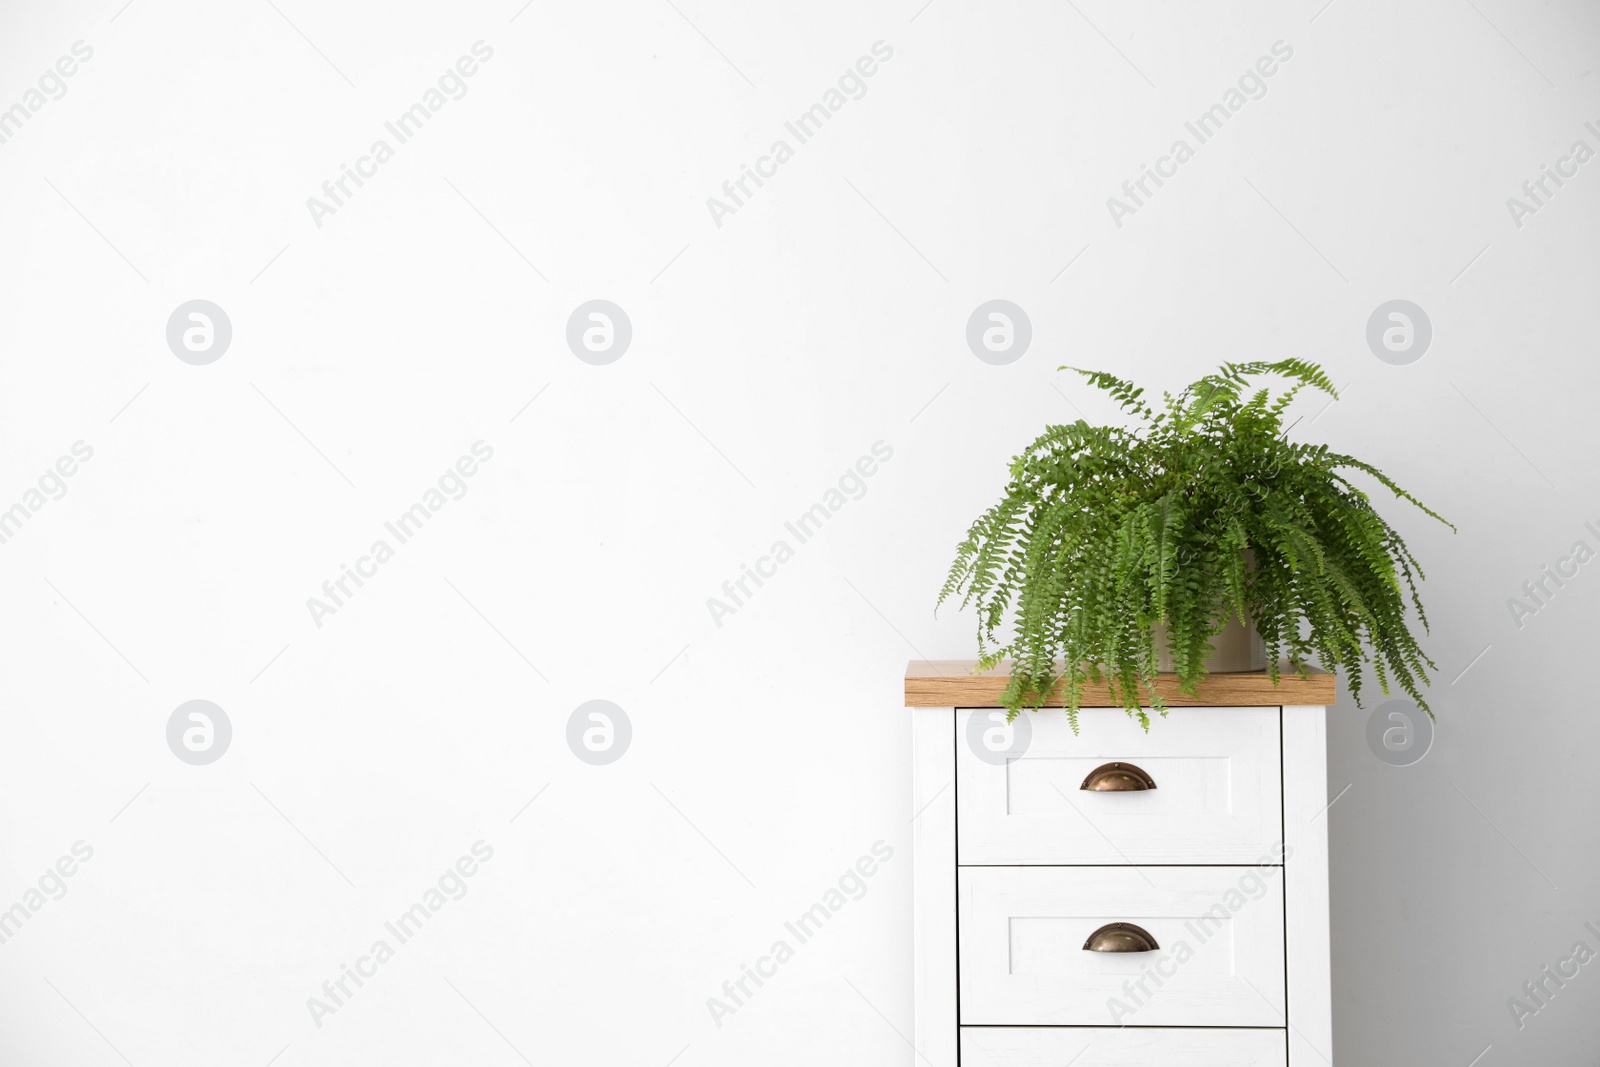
1305, 832
933, 838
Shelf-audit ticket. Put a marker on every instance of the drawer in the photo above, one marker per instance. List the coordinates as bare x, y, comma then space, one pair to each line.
1220, 961
1024, 1046
1218, 795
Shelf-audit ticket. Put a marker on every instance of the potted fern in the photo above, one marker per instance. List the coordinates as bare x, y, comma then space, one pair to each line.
1117, 553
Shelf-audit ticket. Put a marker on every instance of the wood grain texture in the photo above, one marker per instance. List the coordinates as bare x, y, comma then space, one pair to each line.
950, 683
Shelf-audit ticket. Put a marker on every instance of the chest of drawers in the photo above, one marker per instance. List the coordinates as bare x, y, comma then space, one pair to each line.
1117, 898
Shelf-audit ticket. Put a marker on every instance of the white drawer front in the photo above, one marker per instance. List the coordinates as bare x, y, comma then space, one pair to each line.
1218, 794
1097, 1047
1220, 931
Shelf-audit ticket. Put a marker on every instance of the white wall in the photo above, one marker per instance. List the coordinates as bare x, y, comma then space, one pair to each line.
768, 354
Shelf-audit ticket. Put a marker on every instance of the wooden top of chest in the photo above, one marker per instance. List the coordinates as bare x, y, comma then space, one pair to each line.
950, 683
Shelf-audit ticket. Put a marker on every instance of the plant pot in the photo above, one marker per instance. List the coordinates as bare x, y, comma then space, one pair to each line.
1238, 649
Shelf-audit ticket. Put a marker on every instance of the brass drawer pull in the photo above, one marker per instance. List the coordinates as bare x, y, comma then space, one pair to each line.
1117, 778
1120, 937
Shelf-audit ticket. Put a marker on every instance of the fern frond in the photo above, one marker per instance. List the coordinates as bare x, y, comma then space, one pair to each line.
1204, 514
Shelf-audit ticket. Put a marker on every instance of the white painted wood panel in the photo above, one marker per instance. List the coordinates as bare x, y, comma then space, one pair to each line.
1218, 795
1305, 833
1221, 960
933, 839
1110, 1047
